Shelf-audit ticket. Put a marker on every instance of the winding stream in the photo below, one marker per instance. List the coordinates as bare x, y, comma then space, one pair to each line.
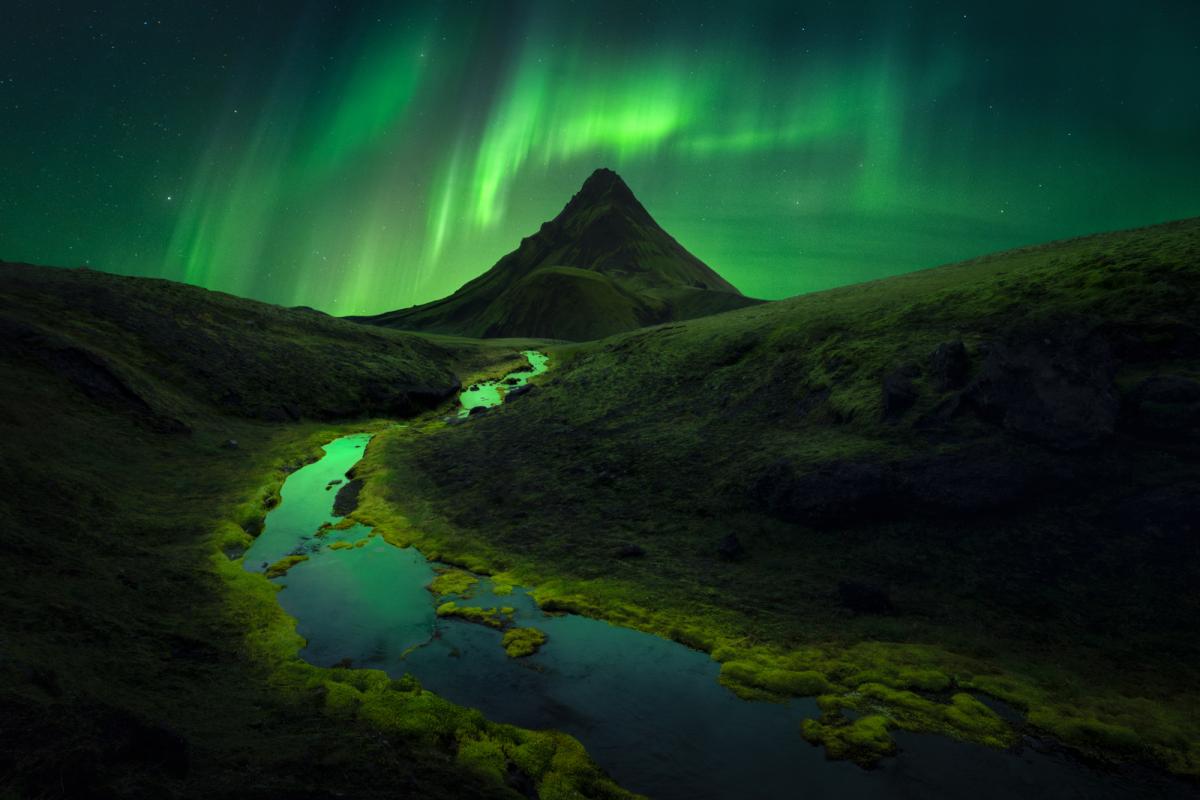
649, 710
486, 394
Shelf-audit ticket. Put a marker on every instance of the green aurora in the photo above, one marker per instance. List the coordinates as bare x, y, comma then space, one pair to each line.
365, 157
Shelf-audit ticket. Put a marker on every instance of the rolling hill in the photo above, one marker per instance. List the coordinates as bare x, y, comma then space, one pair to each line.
602, 266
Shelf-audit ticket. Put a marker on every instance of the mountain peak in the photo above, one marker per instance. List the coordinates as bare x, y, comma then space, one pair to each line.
603, 187
602, 181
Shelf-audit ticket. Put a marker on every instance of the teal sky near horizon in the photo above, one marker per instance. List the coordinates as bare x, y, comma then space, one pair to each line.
360, 157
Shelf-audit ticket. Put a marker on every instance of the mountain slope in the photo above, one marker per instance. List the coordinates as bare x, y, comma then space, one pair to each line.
625, 272
983, 476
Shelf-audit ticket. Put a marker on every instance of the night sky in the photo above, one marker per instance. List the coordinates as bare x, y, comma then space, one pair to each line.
359, 157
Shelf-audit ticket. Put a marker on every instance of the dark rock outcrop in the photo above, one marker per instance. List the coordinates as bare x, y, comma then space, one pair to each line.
973, 479
864, 598
968, 481
1169, 512
899, 391
346, 499
730, 547
1051, 384
517, 391
1164, 405
949, 365
835, 492
130, 740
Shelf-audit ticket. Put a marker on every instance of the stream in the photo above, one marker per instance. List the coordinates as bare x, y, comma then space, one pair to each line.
650, 711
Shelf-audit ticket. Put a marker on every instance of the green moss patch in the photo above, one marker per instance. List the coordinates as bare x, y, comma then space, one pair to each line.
281, 567
864, 740
520, 642
491, 617
453, 581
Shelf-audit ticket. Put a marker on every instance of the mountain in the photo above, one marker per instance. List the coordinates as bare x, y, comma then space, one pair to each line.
602, 266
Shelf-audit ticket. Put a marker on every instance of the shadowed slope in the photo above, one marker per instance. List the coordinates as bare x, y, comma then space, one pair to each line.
164, 350
605, 231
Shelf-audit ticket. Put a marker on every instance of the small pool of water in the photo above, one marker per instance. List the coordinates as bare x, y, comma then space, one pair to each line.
650, 711
487, 394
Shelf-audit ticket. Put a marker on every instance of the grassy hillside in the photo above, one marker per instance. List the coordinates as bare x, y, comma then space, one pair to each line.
156, 348
137, 657
981, 478
569, 303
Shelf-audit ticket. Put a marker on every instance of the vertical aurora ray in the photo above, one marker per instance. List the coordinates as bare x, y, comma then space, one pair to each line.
363, 160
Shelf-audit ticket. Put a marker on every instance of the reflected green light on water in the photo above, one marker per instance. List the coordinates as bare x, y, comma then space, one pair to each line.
488, 394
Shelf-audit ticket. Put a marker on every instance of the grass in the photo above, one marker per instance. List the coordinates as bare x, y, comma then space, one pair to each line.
676, 436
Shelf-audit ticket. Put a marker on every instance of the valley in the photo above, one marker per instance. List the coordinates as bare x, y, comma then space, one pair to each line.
881, 533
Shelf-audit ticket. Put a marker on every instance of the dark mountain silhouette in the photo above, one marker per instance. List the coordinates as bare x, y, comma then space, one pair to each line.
602, 266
